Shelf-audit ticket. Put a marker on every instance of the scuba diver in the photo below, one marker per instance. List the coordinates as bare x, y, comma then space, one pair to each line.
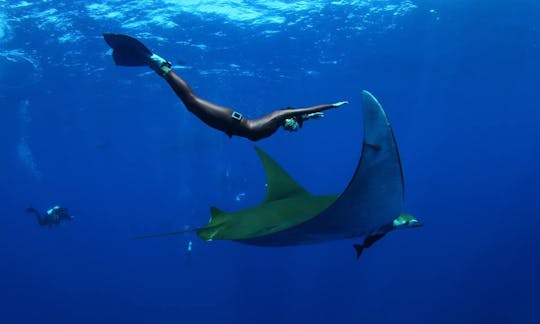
402, 222
128, 51
53, 216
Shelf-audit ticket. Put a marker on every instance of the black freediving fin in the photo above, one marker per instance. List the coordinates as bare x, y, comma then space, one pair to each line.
128, 51
359, 249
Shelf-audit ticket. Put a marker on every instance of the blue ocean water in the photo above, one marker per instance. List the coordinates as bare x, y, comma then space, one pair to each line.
458, 80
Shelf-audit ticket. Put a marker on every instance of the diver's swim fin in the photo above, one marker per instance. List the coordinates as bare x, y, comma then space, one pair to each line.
128, 51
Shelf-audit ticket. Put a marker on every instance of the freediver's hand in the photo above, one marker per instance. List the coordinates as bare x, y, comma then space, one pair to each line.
339, 104
315, 115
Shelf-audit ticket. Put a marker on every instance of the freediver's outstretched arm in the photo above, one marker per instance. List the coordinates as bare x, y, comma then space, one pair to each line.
291, 119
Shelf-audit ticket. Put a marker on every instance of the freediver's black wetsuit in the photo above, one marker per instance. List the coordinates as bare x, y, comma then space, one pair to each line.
129, 51
231, 122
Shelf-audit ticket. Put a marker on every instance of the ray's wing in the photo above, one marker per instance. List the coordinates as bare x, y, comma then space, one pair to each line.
373, 197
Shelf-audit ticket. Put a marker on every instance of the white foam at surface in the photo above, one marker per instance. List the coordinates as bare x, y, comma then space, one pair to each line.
70, 23
4, 27
60, 16
137, 14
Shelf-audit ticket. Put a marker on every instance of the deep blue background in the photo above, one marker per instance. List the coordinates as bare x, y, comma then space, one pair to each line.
458, 79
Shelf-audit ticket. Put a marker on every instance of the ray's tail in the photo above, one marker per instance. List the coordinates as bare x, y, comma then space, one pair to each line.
146, 236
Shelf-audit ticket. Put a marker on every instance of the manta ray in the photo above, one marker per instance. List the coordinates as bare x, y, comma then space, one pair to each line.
369, 207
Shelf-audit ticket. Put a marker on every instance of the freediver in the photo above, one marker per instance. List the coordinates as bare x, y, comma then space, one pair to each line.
53, 216
128, 51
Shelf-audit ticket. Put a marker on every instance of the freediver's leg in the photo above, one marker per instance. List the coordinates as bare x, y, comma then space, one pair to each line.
213, 115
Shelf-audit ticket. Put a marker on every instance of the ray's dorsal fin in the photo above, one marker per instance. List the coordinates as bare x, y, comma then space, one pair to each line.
215, 213
280, 183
